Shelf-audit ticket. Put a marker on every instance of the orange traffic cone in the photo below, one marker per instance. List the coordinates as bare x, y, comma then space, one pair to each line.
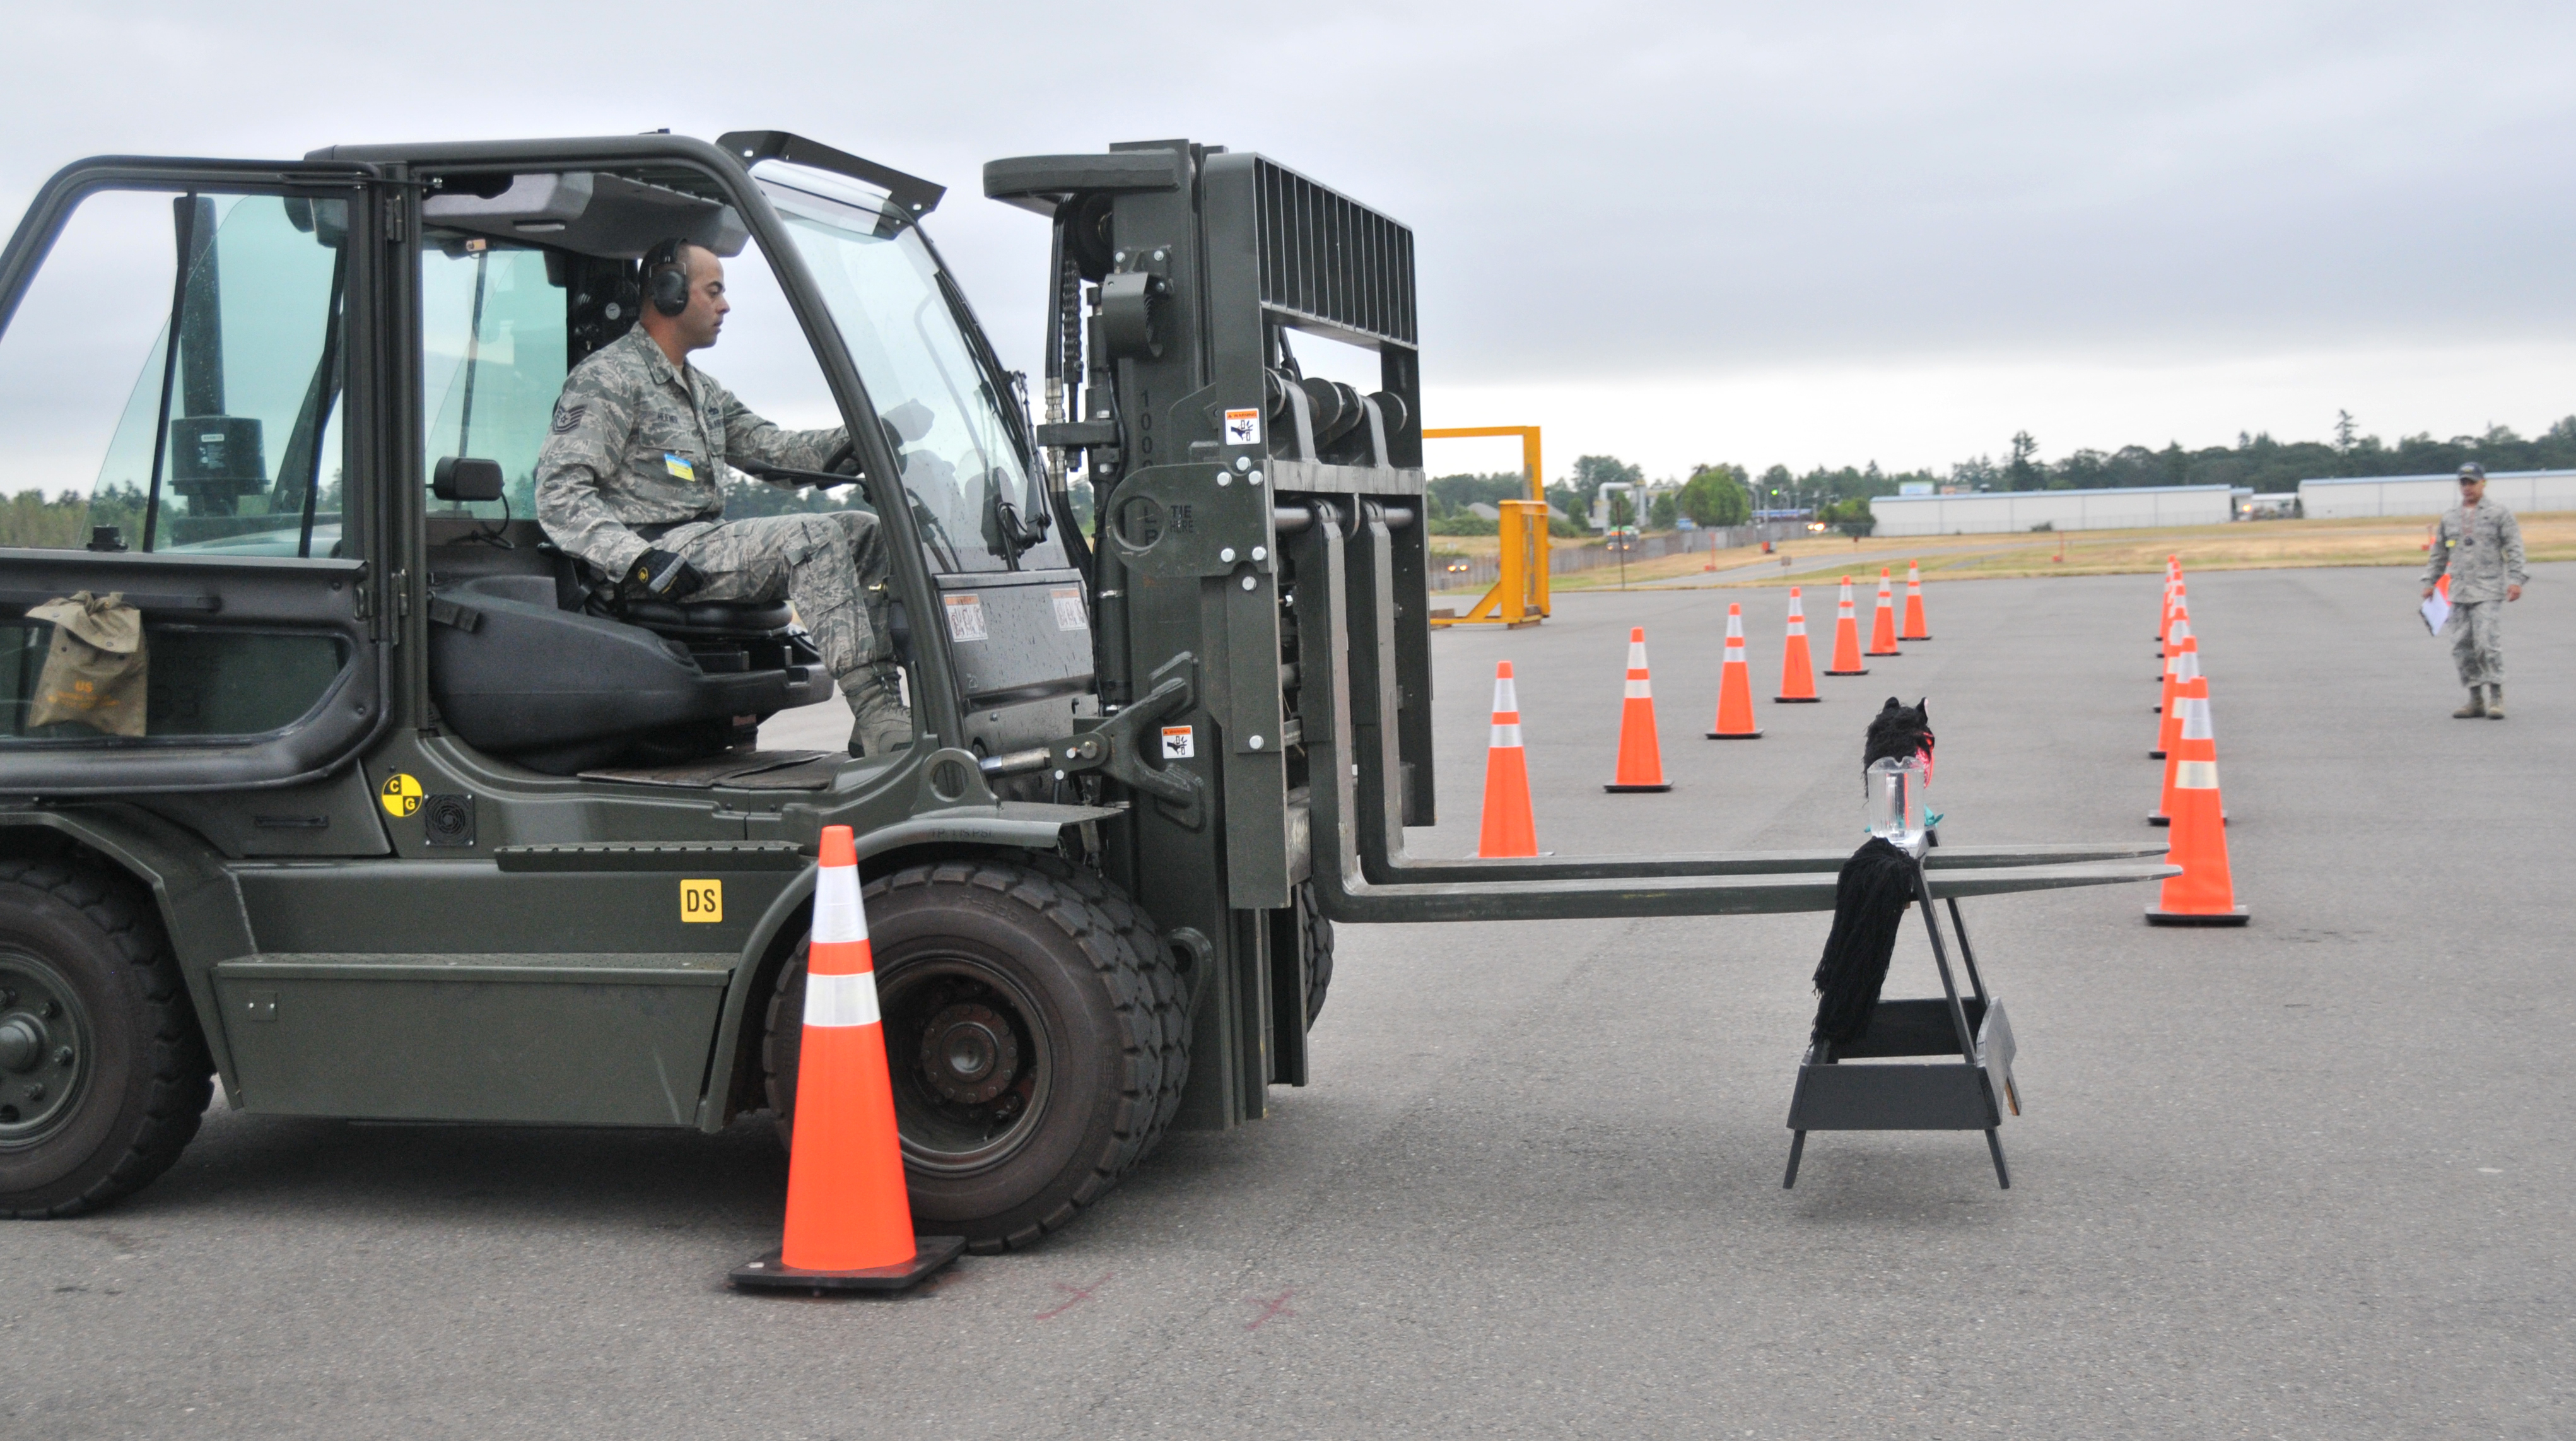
1641, 761
1915, 626
1846, 638
1882, 627
1797, 674
2181, 666
2191, 690
849, 1217
1509, 828
2203, 895
1735, 686
2180, 644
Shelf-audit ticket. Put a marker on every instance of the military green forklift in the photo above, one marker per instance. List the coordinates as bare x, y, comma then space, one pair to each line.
420, 823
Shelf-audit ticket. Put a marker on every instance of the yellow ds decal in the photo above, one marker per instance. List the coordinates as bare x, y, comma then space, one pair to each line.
401, 796
701, 900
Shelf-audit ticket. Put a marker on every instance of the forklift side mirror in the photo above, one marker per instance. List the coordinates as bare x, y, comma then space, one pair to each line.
463, 479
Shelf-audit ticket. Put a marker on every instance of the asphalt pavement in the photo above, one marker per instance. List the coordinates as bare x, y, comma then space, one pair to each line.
2304, 1179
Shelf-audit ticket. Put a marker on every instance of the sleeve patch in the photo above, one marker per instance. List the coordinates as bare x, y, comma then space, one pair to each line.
568, 417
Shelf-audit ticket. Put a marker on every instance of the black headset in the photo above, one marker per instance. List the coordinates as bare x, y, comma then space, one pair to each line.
666, 276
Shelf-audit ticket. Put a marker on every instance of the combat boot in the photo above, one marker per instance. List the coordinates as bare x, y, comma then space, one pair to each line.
2476, 707
882, 722
2495, 701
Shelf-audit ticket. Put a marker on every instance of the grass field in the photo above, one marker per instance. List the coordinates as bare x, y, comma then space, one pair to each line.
2248, 545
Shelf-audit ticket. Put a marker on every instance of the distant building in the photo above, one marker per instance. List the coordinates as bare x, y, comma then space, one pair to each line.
2378, 495
1480, 509
1996, 512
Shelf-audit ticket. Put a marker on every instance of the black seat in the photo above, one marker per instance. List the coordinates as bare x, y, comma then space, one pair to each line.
562, 688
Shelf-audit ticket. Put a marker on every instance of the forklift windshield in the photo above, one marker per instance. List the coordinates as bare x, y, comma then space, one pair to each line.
942, 401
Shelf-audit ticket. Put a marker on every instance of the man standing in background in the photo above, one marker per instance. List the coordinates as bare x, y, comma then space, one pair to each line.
2480, 547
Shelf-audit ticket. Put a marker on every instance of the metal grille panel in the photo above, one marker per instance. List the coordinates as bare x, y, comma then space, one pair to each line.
1327, 258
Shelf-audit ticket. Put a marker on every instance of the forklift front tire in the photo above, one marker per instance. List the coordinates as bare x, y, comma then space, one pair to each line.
1024, 1039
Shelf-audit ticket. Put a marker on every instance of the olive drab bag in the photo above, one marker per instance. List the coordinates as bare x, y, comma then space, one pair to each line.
96, 669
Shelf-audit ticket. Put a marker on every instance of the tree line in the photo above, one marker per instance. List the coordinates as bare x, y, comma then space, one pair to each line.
1720, 494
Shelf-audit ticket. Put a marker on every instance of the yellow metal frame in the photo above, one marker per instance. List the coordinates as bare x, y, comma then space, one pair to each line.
1519, 596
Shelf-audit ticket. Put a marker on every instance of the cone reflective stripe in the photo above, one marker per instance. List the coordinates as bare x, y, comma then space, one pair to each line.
1846, 638
1797, 674
1882, 626
1509, 829
1735, 686
2173, 588
849, 1214
1641, 761
2186, 667
1915, 626
2205, 893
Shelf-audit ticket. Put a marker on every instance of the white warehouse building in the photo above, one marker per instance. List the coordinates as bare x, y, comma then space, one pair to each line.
2378, 495
1994, 512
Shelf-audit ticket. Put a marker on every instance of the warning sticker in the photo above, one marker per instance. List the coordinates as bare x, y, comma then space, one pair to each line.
1243, 427
401, 796
702, 900
965, 617
1179, 743
1068, 608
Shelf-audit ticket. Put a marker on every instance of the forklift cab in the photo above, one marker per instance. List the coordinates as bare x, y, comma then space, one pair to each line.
318, 484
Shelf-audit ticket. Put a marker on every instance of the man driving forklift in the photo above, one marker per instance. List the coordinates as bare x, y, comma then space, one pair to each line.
632, 476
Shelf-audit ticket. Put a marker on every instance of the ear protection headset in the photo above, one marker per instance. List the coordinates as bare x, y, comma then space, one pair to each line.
666, 276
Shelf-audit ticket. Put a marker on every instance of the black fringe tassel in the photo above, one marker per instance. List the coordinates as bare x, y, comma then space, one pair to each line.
1869, 904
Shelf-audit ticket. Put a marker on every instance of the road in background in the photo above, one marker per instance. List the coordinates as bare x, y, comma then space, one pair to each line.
2304, 1179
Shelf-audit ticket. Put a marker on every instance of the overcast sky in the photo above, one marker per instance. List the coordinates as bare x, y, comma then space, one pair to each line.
1805, 234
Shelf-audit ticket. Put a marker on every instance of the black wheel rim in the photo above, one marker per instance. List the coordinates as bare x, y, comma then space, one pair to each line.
971, 1059
46, 1041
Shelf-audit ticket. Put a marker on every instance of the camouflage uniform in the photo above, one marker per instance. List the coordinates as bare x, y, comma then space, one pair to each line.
2480, 547
640, 445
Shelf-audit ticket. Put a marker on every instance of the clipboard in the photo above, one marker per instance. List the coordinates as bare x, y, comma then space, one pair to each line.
2436, 609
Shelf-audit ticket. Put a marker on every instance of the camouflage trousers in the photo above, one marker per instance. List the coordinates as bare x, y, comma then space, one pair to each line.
832, 565
2477, 641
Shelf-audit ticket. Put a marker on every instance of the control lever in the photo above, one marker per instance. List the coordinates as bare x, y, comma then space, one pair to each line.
1117, 747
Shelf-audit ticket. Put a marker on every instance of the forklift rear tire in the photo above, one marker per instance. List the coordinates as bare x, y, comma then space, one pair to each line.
103, 1072
1024, 1032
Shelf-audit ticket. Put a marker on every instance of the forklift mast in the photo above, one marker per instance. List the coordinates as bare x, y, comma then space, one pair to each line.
1172, 387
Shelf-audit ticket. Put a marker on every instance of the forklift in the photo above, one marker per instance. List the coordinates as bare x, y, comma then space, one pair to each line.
421, 823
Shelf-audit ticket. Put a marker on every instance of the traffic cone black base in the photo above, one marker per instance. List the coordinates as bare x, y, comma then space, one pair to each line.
1665, 786
1734, 735
1864, 670
2236, 917
2156, 820
769, 1273
1797, 699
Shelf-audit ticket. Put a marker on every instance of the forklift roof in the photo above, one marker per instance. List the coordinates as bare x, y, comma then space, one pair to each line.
592, 212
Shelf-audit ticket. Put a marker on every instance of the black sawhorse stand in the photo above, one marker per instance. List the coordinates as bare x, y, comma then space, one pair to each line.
1966, 1094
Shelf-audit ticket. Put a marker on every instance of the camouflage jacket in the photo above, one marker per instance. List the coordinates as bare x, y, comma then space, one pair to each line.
2481, 549
637, 442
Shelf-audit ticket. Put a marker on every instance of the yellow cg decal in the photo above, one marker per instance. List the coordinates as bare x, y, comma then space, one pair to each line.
401, 796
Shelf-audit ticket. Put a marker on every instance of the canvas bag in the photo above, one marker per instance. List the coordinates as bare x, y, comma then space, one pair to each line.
97, 668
